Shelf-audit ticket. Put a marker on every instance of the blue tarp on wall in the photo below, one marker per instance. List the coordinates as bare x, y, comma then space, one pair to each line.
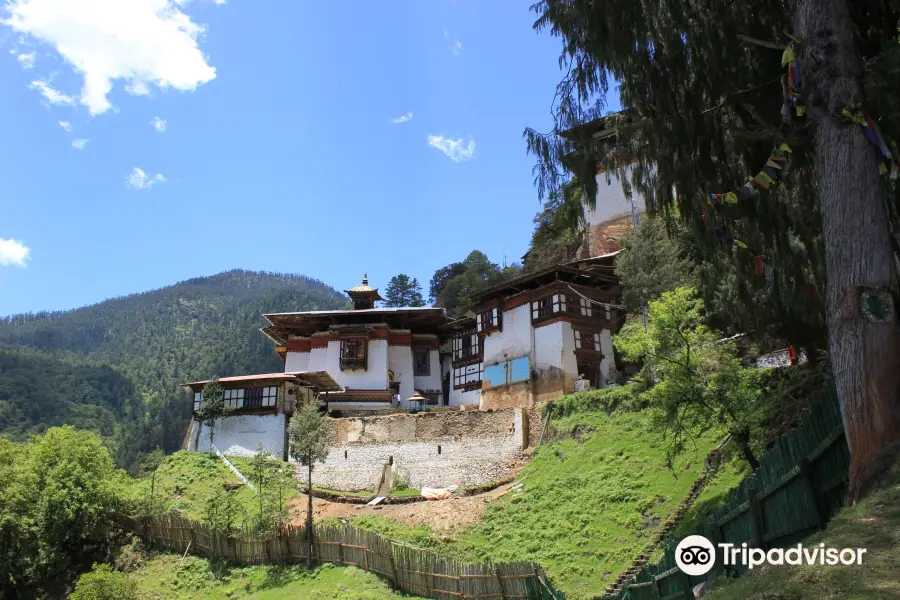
510, 371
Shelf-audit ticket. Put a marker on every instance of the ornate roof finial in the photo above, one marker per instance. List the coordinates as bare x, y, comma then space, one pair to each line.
365, 279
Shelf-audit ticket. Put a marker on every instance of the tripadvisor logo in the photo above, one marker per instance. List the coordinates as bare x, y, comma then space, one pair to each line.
696, 555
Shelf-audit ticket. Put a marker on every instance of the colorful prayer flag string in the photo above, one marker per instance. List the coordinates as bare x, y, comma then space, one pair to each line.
795, 80
767, 176
888, 165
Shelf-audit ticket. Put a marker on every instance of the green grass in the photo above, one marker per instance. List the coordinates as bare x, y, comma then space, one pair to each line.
357, 494
588, 506
405, 493
186, 480
167, 577
873, 524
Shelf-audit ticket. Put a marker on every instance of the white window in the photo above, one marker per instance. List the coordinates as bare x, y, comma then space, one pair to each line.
234, 399
270, 394
468, 378
586, 308
587, 341
547, 307
487, 320
466, 345
197, 398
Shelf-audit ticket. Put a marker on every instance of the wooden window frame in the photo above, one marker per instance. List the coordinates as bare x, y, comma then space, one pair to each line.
418, 352
460, 377
467, 354
549, 306
198, 398
234, 398
489, 320
581, 335
359, 359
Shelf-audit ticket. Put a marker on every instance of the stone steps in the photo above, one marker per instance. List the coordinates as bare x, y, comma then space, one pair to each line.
710, 469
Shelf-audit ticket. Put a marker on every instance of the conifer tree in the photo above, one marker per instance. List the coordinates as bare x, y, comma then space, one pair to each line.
704, 88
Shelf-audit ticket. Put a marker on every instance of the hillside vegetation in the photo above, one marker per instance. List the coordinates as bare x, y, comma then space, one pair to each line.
589, 503
115, 367
873, 524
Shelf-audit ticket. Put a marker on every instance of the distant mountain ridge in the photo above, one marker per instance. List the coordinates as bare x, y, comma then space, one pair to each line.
143, 346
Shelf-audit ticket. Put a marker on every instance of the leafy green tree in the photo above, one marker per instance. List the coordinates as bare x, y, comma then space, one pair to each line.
222, 513
310, 434
652, 262
696, 381
403, 291
440, 279
149, 466
477, 273
259, 472
212, 407
60, 492
705, 104
559, 229
103, 583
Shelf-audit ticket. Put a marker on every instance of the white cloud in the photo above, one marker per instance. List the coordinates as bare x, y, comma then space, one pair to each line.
456, 149
159, 124
143, 42
65, 125
402, 119
79, 144
456, 46
141, 181
13, 252
52, 95
26, 59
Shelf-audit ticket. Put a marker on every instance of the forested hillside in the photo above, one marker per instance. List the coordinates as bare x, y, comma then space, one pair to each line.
115, 367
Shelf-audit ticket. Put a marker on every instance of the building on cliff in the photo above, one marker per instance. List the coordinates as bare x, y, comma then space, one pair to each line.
530, 338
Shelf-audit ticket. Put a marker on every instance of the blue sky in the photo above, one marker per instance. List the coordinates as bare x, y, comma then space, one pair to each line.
278, 150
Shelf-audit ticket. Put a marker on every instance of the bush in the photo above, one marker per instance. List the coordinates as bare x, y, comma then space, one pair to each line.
606, 399
401, 485
102, 583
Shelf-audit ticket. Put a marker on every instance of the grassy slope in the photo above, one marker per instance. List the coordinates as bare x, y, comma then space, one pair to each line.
873, 524
186, 480
587, 507
166, 577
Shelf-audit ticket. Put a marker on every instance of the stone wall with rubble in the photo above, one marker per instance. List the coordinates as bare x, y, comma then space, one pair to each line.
429, 449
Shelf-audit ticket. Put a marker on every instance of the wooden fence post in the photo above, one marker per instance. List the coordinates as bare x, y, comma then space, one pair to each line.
499, 582
806, 477
759, 531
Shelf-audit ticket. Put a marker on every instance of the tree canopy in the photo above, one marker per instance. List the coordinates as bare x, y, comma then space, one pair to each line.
403, 291
453, 285
708, 102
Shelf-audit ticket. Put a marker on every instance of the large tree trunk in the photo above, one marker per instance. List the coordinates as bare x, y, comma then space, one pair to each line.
858, 253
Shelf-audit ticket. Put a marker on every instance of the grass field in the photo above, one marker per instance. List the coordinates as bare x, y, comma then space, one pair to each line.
167, 577
186, 480
588, 506
873, 524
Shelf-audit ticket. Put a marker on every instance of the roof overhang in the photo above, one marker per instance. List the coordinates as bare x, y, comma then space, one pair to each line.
575, 272
320, 380
306, 323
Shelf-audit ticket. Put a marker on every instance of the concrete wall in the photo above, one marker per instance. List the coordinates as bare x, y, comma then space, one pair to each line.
475, 448
296, 361
240, 435
514, 340
318, 360
611, 200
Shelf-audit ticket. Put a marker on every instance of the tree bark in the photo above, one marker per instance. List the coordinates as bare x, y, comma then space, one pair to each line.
309, 518
858, 253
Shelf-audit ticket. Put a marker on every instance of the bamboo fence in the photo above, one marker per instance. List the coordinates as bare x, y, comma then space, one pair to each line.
800, 484
413, 570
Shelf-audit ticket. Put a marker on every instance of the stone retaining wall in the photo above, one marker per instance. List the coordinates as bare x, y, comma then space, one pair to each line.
430, 450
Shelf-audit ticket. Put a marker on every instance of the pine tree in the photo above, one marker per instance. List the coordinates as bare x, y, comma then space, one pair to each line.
309, 434
403, 291
704, 91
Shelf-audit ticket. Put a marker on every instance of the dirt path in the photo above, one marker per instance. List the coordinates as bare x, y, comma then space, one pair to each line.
439, 515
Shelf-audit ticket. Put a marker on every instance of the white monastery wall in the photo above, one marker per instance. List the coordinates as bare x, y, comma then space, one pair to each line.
611, 200
464, 398
240, 435
375, 377
432, 381
318, 360
514, 338
296, 361
400, 362
554, 348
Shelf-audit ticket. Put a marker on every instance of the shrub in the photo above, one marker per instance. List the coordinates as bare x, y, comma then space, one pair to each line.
605, 399
102, 583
